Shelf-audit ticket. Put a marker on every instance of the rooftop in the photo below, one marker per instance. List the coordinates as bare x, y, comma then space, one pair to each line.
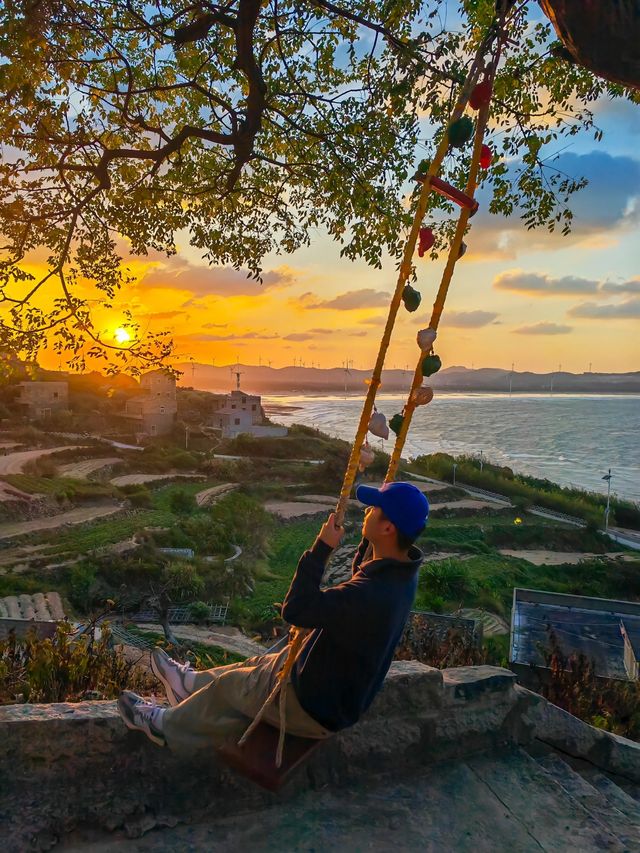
583, 625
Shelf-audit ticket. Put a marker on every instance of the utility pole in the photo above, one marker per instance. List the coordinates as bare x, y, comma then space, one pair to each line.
186, 436
455, 465
590, 363
607, 477
481, 460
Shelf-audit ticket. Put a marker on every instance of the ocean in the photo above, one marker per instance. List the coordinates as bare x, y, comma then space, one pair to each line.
570, 439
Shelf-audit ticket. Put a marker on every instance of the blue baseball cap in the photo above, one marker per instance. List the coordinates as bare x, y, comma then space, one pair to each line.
403, 504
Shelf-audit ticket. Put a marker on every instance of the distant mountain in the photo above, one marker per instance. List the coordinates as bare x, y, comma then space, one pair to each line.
315, 380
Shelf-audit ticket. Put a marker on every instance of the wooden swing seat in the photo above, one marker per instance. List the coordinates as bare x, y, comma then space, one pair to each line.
256, 758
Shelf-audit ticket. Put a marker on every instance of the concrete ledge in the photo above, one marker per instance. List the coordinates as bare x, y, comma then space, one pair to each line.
556, 727
66, 765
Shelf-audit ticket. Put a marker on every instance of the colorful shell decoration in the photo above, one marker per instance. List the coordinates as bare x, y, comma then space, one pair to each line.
426, 338
422, 396
378, 425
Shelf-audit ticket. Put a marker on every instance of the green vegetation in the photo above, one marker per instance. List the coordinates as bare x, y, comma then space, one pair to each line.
62, 488
528, 491
86, 538
63, 669
286, 544
574, 685
487, 580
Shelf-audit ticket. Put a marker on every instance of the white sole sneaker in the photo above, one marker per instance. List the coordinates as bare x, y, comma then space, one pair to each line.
157, 657
126, 707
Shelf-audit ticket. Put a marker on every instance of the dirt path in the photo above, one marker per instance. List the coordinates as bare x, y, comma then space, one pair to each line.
209, 496
295, 509
464, 503
74, 516
557, 558
9, 493
82, 470
138, 479
225, 636
13, 463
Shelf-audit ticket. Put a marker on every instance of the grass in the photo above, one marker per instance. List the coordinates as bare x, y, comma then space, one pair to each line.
287, 544
83, 539
161, 497
527, 490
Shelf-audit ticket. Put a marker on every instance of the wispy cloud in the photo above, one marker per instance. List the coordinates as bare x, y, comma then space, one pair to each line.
631, 286
544, 329
176, 273
542, 284
163, 315
469, 319
629, 310
298, 336
350, 301
236, 336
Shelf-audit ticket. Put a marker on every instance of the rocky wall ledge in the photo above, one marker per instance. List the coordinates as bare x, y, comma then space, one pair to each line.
67, 765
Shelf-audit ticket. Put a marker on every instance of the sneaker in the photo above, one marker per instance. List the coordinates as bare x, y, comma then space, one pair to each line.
173, 675
142, 716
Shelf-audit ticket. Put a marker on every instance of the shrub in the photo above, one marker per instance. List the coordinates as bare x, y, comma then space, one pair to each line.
140, 498
44, 466
575, 686
182, 503
66, 668
449, 579
199, 611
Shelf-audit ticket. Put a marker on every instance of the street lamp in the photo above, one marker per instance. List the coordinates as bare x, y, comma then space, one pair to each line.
607, 477
455, 465
481, 460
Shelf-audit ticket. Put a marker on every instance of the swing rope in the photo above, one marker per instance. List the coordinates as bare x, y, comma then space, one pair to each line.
298, 635
447, 275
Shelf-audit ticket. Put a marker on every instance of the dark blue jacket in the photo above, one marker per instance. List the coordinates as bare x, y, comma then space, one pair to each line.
357, 626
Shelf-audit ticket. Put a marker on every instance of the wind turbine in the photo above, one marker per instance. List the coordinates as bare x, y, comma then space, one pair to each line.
345, 367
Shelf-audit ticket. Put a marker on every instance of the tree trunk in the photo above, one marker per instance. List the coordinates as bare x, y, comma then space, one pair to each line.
601, 35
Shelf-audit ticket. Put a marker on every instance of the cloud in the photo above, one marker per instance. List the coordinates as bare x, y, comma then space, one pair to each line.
607, 206
593, 311
238, 336
358, 334
541, 284
196, 303
544, 329
351, 300
176, 273
164, 315
322, 331
469, 319
631, 286
298, 336
214, 325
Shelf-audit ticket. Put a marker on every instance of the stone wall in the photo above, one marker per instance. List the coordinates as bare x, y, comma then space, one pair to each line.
66, 765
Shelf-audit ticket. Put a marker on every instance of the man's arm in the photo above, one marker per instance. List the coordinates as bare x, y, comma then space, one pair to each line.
306, 605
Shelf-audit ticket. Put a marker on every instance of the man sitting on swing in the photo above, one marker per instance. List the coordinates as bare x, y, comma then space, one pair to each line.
356, 627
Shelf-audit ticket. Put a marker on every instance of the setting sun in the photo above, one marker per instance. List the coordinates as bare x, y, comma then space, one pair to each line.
122, 335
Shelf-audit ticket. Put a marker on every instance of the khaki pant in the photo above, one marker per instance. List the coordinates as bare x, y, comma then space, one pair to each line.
226, 700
